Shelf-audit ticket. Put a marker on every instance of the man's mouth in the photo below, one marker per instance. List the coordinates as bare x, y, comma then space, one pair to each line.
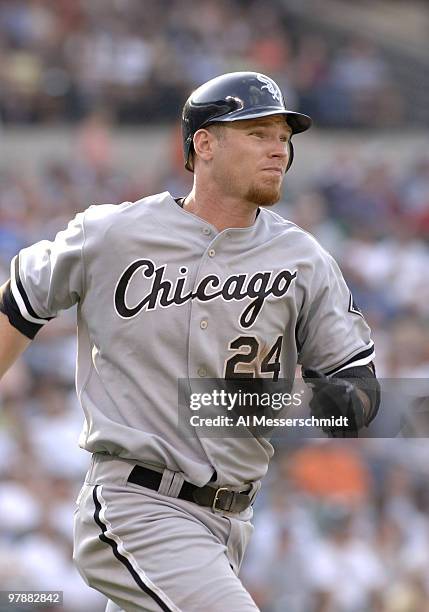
274, 170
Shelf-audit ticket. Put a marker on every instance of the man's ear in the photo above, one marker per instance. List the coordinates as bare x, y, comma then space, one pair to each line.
203, 145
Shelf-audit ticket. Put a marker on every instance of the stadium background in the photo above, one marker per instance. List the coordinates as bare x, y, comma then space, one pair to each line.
90, 94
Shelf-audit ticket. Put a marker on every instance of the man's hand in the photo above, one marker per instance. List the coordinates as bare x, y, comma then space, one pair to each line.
336, 397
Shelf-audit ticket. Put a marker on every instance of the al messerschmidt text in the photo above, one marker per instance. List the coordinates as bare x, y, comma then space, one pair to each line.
264, 421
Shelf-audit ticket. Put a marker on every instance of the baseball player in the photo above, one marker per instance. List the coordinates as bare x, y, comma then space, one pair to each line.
210, 286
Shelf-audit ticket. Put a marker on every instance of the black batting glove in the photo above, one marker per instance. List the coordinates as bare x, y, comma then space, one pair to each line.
336, 397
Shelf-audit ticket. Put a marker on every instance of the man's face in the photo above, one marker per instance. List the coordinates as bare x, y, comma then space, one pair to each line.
250, 158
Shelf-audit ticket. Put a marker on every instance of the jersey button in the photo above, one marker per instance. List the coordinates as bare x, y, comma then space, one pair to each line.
212, 253
207, 231
202, 372
204, 324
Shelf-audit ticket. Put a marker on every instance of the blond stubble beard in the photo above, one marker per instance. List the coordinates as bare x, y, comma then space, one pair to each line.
263, 195
258, 194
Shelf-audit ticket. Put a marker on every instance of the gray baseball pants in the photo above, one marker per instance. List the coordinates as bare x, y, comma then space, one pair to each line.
147, 551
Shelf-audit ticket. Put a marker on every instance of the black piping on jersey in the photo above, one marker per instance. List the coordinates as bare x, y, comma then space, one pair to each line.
104, 538
23, 294
9, 307
362, 355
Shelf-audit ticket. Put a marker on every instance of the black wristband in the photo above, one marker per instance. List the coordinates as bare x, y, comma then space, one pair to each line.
9, 307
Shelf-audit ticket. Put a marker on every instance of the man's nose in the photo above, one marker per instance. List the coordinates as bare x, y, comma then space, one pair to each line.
279, 149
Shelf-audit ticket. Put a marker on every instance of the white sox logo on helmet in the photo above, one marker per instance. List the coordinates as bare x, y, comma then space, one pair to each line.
270, 86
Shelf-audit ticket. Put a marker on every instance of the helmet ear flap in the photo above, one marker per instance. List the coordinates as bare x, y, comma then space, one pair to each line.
290, 160
189, 156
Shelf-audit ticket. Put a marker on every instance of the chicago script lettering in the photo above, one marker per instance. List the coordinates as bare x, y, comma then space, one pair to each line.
164, 292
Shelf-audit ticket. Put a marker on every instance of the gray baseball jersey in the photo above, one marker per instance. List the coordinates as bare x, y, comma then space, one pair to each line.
162, 295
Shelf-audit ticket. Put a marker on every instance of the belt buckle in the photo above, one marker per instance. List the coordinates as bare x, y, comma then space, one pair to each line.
216, 499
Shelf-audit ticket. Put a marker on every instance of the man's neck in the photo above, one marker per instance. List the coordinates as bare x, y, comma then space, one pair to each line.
220, 211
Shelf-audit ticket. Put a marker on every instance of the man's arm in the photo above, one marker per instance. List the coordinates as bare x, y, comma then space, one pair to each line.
12, 343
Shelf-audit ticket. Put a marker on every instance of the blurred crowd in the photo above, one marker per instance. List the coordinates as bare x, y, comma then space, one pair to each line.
343, 527
139, 60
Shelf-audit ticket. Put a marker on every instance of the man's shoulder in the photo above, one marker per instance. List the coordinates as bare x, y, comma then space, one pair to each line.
290, 231
114, 212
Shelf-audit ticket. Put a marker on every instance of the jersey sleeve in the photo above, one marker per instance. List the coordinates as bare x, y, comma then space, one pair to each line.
331, 333
46, 278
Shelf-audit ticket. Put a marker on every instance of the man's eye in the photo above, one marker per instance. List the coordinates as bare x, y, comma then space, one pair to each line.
258, 134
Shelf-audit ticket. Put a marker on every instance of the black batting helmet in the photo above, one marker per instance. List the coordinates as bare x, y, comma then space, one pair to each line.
235, 96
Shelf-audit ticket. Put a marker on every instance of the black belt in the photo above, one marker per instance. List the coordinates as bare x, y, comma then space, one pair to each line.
220, 500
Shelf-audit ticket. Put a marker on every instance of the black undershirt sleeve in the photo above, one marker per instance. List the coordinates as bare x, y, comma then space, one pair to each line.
9, 307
